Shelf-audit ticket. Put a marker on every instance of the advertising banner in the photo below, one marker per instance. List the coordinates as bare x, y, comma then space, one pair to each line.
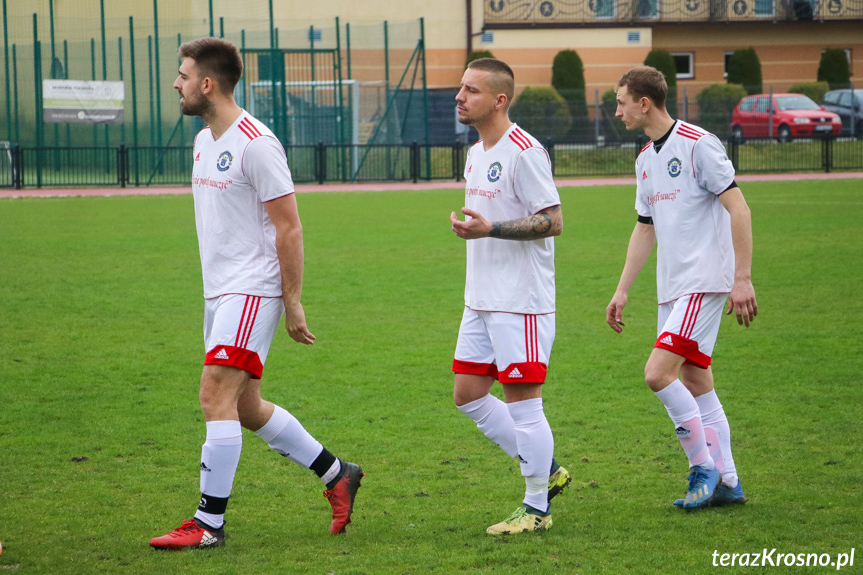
82, 102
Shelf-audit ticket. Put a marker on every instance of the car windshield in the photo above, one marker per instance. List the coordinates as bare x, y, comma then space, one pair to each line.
795, 103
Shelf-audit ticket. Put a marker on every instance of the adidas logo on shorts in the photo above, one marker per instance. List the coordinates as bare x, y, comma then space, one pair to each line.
664, 341
222, 354
515, 374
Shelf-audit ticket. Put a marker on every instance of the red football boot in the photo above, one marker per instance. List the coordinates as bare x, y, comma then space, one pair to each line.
190, 535
342, 495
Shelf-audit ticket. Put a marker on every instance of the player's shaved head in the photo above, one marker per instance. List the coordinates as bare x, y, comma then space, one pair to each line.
501, 80
217, 59
645, 81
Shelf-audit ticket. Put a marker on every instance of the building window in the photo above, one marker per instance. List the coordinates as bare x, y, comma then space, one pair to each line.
314, 34
684, 64
728, 56
486, 38
648, 9
802, 9
603, 9
764, 8
633, 37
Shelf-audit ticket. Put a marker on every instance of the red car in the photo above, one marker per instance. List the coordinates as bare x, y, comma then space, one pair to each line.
794, 116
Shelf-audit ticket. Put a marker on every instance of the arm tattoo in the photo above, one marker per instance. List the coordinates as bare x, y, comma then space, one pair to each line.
532, 227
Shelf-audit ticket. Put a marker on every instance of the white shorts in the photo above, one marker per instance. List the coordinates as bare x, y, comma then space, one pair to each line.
688, 326
520, 343
238, 330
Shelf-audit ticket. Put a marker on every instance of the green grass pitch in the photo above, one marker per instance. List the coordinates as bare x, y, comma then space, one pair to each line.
100, 429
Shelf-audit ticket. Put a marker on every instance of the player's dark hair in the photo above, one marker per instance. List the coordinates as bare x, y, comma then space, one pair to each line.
645, 81
502, 80
217, 59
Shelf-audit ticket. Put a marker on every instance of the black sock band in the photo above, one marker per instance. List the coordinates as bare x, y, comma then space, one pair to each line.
213, 505
323, 462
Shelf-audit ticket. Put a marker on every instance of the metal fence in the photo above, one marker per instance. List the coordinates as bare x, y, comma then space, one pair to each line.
38, 167
339, 83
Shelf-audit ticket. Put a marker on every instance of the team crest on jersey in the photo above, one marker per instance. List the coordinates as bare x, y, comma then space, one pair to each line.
224, 161
494, 171
674, 167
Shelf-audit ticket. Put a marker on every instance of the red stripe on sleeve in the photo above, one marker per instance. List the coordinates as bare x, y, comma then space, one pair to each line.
517, 142
690, 130
691, 134
245, 131
251, 127
521, 136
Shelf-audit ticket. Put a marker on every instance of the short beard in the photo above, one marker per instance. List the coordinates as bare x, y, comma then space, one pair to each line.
202, 108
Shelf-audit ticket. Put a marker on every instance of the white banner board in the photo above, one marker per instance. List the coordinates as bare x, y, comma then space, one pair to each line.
82, 102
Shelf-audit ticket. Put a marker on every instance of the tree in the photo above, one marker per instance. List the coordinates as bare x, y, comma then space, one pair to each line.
542, 112
715, 104
476, 55
567, 77
744, 68
612, 127
834, 69
815, 90
662, 61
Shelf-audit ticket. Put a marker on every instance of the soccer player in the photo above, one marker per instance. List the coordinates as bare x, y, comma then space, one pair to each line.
251, 246
690, 206
512, 213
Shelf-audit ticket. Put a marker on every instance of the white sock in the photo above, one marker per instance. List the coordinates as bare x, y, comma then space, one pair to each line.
493, 419
332, 472
220, 457
535, 449
289, 438
683, 410
718, 435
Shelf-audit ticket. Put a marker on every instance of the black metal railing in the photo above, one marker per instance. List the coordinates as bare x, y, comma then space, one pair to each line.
122, 166
500, 14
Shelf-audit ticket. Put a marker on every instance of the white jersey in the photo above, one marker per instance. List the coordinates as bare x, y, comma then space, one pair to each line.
679, 187
232, 178
511, 180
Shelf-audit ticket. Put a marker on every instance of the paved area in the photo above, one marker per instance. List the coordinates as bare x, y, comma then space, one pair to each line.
385, 186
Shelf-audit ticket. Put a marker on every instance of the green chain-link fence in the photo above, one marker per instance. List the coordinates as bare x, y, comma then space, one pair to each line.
337, 85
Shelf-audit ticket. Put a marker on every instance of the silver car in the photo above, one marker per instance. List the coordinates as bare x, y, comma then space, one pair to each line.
848, 104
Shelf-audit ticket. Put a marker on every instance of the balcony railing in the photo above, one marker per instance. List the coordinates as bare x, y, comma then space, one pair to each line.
562, 13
